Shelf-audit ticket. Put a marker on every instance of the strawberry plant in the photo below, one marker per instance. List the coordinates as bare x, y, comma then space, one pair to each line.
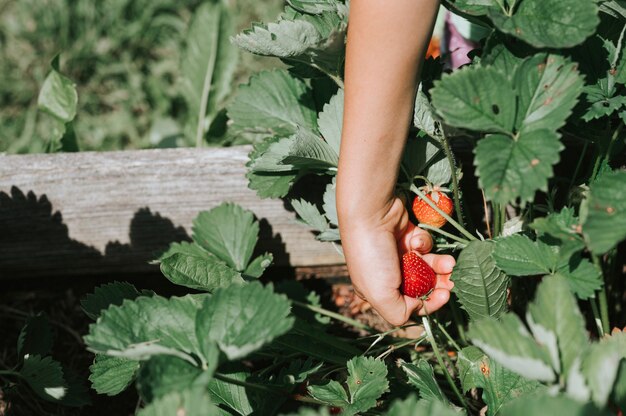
537, 220
539, 199
37, 377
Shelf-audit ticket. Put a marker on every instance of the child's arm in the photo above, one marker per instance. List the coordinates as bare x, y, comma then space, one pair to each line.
387, 40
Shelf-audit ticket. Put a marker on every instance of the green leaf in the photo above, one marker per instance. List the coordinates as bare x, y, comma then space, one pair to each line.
618, 396
508, 342
562, 225
425, 156
516, 168
162, 374
424, 117
330, 202
518, 255
584, 278
234, 396
273, 104
548, 87
615, 8
58, 97
480, 286
268, 184
499, 384
533, 22
312, 341
283, 39
498, 56
367, 381
421, 375
410, 406
241, 319
202, 273
328, 55
45, 377
229, 232
601, 364
271, 159
330, 121
310, 152
605, 224
257, 267
192, 402
331, 393
545, 404
555, 313
298, 371
35, 337
112, 375
147, 326
310, 214
184, 247
107, 295
314, 6
476, 98
208, 65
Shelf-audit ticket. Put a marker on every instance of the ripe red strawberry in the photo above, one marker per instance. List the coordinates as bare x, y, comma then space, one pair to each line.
426, 215
418, 279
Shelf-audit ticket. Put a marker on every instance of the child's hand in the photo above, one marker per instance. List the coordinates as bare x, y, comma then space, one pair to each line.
373, 248
380, 80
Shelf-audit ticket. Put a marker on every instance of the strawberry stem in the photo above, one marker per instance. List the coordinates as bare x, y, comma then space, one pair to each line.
455, 180
444, 233
447, 335
602, 299
596, 317
433, 343
334, 315
443, 214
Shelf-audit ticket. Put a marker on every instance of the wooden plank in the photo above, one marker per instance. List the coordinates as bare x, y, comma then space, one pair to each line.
92, 213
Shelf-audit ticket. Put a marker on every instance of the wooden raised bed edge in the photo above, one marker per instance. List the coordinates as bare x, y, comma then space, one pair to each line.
109, 213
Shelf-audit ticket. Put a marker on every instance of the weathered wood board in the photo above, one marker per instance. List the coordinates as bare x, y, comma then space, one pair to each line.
96, 213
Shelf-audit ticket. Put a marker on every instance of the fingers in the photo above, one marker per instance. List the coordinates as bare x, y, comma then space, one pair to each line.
442, 264
421, 241
415, 238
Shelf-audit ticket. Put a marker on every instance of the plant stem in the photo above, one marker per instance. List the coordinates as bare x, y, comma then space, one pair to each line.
447, 335
604, 305
10, 373
486, 214
604, 311
335, 316
458, 320
455, 180
616, 133
596, 317
443, 214
456, 246
444, 233
206, 90
433, 343
578, 164
246, 384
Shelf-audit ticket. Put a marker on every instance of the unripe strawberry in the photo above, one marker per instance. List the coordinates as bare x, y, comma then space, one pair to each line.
418, 278
424, 212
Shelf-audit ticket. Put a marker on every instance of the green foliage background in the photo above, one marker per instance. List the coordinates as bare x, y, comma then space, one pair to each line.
123, 55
